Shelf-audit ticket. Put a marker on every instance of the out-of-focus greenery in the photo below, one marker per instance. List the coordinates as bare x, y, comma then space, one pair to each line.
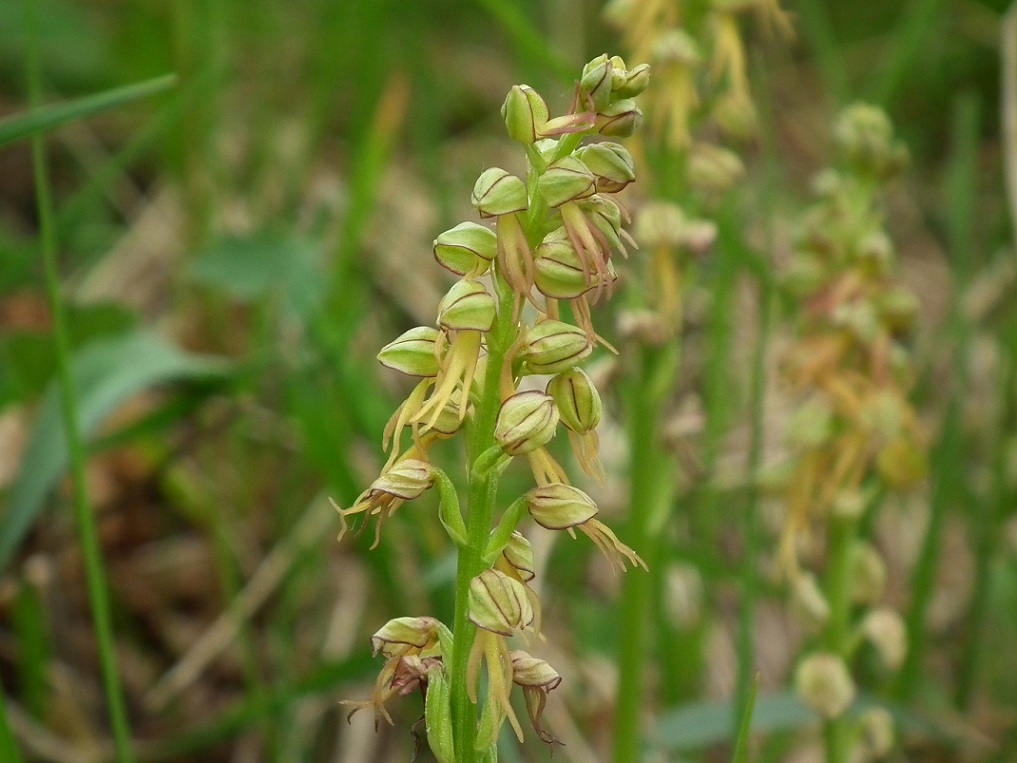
234, 251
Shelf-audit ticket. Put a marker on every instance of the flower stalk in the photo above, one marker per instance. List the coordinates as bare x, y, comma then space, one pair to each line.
854, 436
501, 322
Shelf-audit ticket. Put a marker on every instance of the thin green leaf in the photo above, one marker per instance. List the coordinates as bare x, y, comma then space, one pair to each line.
741, 751
106, 373
46, 118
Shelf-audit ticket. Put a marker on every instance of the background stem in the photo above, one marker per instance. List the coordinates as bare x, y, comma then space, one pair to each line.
651, 487
98, 595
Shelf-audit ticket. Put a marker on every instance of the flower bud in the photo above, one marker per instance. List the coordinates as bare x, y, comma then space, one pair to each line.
525, 113
713, 168
811, 424
809, 603
823, 682
863, 136
467, 307
658, 224
898, 308
528, 670
413, 352
577, 399
868, 574
537, 678
558, 271
406, 480
902, 463
611, 164
466, 248
850, 504
499, 604
519, 554
565, 180
648, 327
885, 630
876, 251
619, 120
859, 318
498, 192
684, 597
676, 48
628, 83
526, 421
398, 635
552, 346
606, 216
876, 733
559, 507
736, 115
597, 80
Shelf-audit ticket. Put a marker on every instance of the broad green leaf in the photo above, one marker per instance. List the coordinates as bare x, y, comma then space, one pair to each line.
28, 358
702, 724
263, 265
50, 117
106, 373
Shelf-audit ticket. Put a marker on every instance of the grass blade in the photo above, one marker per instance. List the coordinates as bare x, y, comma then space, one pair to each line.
46, 118
741, 751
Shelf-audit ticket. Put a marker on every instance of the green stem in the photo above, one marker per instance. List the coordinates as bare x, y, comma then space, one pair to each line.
747, 679
837, 731
94, 573
478, 525
651, 485
8, 744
